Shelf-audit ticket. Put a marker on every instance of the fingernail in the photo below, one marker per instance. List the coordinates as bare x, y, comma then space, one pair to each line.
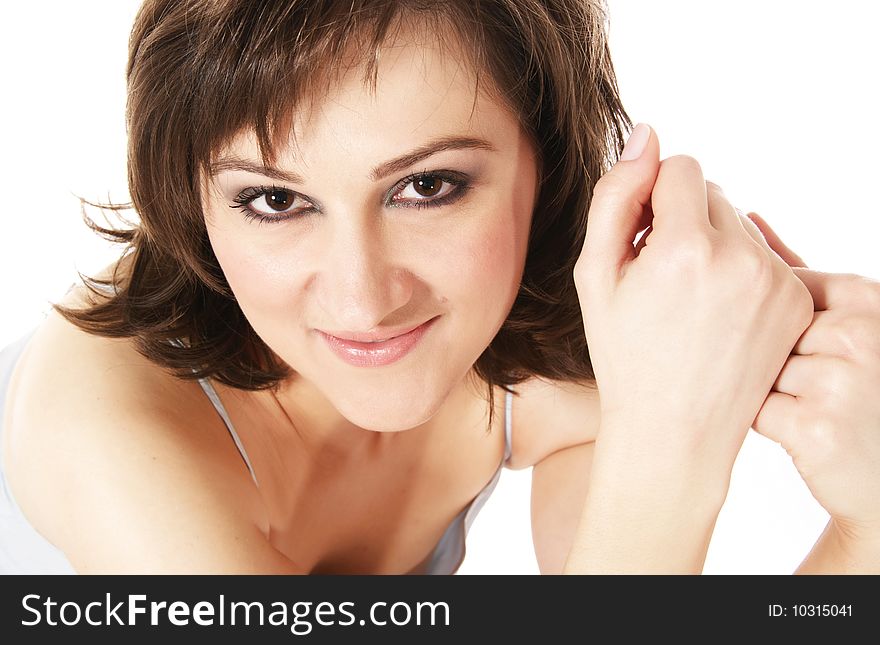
636, 143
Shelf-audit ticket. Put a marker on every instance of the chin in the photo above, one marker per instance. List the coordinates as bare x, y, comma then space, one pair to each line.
390, 414
390, 421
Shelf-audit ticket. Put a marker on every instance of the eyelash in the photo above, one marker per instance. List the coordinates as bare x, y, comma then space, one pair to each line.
248, 195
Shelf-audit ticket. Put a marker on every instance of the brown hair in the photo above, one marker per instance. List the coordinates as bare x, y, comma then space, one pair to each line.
202, 71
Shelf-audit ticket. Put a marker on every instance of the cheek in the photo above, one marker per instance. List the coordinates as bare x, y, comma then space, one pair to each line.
254, 274
491, 256
485, 264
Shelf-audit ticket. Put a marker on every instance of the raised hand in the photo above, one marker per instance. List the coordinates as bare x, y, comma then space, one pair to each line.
824, 407
688, 332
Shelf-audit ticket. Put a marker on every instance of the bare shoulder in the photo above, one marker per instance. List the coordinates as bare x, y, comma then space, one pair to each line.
549, 416
98, 436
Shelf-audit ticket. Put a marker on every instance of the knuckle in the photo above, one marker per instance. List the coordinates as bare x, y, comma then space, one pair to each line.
822, 431
684, 163
711, 186
680, 166
859, 335
756, 266
692, 253
608, 187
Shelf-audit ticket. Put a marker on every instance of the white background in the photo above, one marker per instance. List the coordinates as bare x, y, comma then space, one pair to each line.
775, 99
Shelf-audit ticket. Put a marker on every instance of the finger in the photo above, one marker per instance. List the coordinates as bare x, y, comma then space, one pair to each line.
791, 258
823, 336
778, 418
809, 376
679, 199
755, 232
722, 214
618, 206
832, 290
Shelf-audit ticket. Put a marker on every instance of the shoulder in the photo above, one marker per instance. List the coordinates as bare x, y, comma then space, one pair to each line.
99, 436
66, 372
549, 416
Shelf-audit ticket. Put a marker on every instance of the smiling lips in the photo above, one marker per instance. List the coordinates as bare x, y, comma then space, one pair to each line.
361, 350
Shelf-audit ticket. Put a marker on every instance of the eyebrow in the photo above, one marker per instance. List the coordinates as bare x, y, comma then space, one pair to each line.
381, 171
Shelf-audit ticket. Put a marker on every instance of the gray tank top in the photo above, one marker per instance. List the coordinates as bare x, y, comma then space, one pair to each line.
23, 550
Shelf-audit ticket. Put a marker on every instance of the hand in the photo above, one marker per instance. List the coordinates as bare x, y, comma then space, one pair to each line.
824, 408
687, 332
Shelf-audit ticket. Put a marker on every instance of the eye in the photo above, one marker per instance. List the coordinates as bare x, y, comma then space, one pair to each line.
273, 201
421, 190
270, 203
429, 189
430, 186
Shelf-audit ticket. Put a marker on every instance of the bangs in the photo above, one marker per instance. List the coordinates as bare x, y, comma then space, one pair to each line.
259, 66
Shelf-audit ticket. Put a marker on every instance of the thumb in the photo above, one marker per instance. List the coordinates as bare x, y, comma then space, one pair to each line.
621, 206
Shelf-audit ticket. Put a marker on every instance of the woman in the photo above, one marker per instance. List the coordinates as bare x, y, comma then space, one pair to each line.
421, 176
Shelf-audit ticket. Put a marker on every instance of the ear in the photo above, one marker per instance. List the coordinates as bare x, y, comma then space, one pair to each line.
791, 258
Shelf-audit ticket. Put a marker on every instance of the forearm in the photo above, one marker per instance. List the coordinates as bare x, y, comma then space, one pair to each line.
638, 518
835, 552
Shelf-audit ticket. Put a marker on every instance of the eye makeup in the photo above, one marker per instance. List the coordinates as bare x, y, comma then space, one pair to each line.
248, 200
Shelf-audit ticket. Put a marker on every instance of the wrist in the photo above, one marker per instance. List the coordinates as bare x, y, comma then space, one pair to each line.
644, 487
859, 539
631, 532
842, 550
682, 473
643, 518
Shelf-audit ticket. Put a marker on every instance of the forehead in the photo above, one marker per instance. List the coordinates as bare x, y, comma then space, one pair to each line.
425, 86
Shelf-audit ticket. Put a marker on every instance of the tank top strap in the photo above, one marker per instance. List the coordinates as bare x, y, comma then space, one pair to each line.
508, 425
224, 415
108, 289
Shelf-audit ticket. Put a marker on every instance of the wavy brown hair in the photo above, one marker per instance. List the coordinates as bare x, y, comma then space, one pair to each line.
201, 71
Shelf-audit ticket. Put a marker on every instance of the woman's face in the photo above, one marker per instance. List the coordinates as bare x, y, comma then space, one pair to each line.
356, 245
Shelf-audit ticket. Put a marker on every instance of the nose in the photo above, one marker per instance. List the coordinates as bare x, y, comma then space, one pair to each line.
360, 285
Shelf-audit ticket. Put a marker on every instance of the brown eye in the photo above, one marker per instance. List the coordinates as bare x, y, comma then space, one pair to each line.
428, 189
427, 186
279, 200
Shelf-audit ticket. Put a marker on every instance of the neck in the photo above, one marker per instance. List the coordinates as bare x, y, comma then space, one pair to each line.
323, 431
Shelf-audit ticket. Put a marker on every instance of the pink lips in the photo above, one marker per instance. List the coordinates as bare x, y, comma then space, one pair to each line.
384, 352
